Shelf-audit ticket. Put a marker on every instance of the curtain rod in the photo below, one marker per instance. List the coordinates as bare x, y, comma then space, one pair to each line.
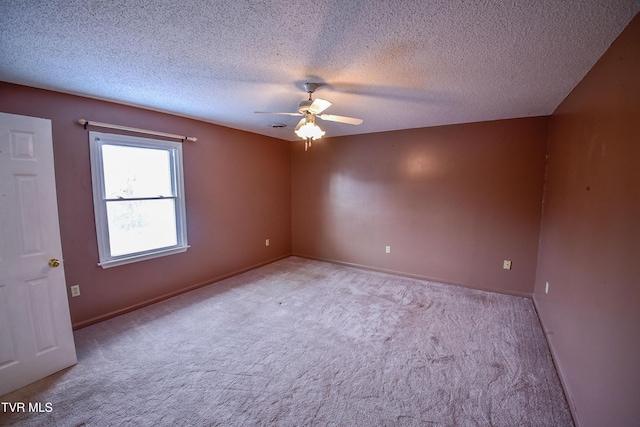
86, 123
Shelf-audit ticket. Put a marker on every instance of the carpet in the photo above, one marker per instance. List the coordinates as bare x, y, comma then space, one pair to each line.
307, 343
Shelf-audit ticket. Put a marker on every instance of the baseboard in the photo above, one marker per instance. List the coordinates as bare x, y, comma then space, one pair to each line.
415, 276
166, 296
558, 365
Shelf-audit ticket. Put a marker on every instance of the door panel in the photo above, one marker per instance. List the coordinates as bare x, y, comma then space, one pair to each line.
36, 338
41, 315
7, 348
28, 216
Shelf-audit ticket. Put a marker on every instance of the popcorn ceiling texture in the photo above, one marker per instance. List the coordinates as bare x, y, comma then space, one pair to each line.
397, 65
307, 343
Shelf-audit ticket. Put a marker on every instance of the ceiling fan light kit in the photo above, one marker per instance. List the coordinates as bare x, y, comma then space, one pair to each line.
307, 129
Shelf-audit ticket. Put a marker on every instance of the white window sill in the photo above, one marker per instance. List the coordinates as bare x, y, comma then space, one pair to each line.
142, 257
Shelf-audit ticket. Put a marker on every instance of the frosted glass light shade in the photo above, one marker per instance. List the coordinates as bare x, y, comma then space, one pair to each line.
309, 131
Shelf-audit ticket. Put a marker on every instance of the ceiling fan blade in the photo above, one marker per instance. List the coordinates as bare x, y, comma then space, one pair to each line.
340, 119
301, 123
286, 114
319, 105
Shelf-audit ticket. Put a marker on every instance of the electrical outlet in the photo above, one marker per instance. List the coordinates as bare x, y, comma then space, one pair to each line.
75, 291
507, 264
546, 288
387, 249
266, 243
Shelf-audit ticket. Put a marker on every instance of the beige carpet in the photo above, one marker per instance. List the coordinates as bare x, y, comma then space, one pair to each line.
307, 343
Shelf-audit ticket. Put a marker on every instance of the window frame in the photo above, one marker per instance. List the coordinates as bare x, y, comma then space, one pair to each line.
96, 141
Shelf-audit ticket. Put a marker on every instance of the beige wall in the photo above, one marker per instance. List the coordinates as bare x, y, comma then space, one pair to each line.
237, 189
590, 239
453, 202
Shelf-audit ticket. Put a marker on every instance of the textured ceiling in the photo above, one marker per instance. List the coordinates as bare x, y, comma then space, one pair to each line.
395, 64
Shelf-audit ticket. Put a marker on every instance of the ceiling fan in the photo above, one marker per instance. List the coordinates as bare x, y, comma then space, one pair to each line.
310, 109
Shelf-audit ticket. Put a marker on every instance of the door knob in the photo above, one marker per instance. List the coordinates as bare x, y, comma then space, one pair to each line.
54, 263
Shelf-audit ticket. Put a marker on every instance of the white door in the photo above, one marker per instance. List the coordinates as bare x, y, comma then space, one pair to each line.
36, 339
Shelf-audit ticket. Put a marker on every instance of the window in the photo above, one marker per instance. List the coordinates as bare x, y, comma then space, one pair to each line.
138, 197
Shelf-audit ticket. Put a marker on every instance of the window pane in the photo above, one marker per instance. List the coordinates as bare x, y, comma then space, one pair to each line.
136, 172
141, 225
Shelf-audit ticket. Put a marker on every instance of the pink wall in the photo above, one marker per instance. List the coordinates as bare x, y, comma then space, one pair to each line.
453, 202
590, 239
237, 189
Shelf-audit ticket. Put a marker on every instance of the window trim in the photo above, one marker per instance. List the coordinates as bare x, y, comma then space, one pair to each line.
96, 141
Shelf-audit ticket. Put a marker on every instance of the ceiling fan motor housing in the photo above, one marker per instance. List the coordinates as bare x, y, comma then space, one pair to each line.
303, 106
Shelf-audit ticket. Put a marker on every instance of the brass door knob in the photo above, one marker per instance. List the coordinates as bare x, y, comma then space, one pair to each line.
54, 263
